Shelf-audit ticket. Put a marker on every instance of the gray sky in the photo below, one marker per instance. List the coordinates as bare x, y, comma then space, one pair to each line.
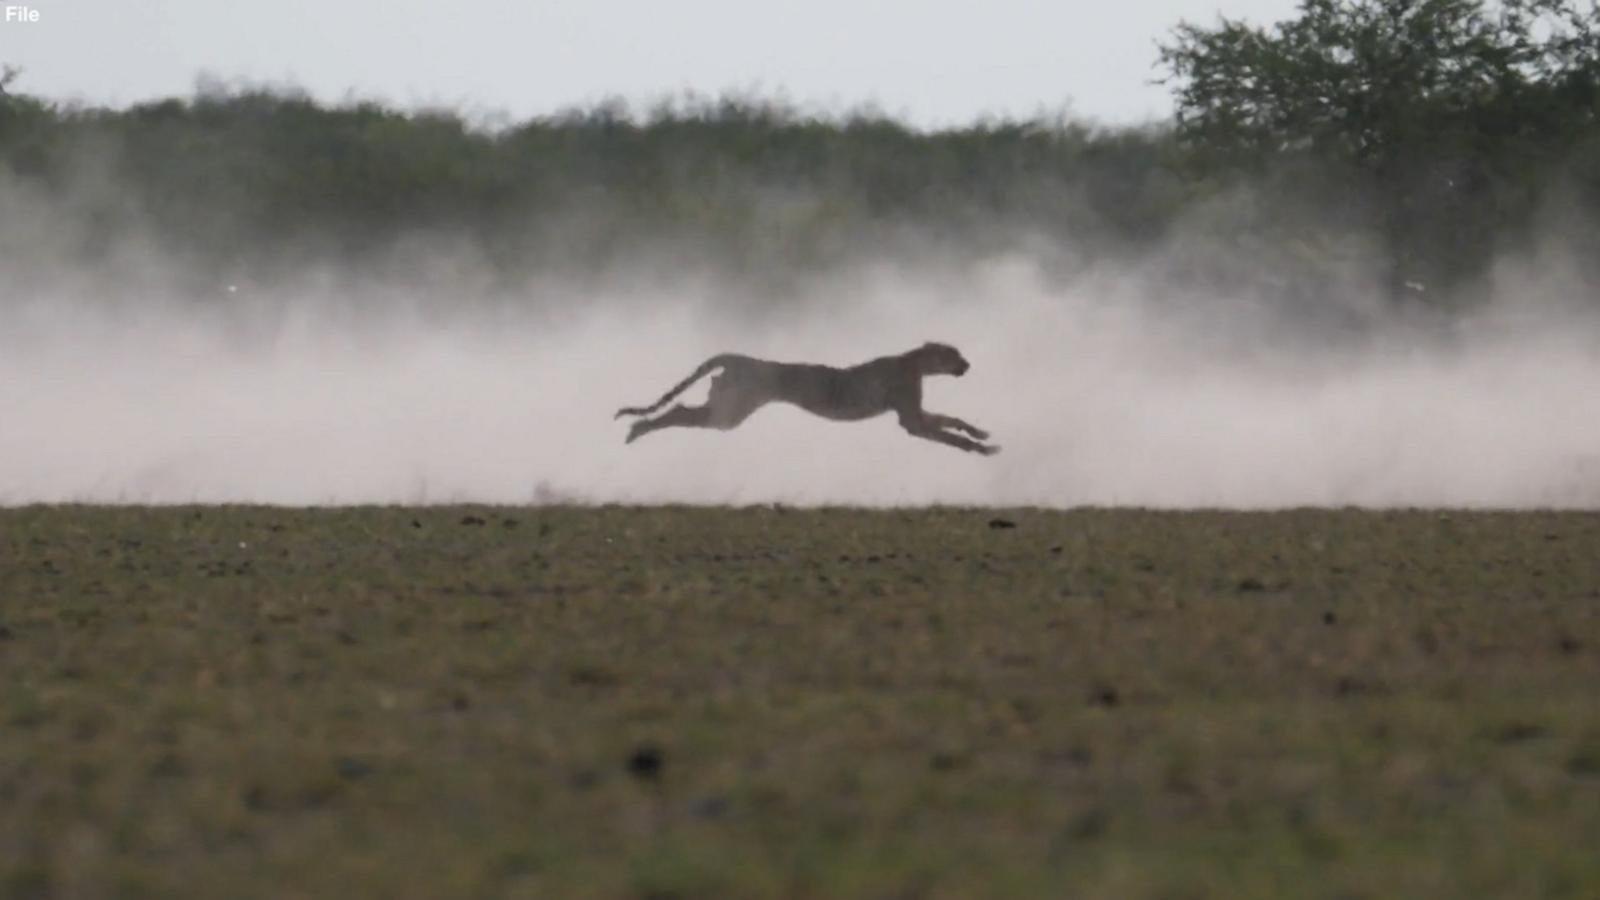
932, 62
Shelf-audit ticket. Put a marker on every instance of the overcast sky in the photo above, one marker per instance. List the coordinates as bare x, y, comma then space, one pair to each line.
932, 62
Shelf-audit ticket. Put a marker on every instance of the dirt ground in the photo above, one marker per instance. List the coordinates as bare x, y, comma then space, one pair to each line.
768, 702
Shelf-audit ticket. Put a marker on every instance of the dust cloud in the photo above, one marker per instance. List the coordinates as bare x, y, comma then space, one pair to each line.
1102, 388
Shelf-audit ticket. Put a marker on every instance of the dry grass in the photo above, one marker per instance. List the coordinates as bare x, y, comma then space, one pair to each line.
675, 702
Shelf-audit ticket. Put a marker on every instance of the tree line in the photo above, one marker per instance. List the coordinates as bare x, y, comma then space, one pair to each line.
1410, 141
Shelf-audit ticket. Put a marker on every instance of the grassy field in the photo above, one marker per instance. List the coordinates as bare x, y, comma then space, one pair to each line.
680, 702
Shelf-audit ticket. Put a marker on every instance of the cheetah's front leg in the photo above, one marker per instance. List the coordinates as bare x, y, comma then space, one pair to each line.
951, 422
925, 426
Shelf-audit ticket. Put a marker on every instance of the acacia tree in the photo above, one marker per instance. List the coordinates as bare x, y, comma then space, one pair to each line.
1441, 109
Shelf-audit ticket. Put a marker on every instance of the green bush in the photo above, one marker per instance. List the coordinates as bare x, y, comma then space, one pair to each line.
1405, 143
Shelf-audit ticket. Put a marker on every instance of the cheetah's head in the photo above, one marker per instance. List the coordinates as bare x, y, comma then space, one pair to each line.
934, 358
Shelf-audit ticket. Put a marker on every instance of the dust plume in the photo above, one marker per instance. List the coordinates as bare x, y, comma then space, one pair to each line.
1104, 388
